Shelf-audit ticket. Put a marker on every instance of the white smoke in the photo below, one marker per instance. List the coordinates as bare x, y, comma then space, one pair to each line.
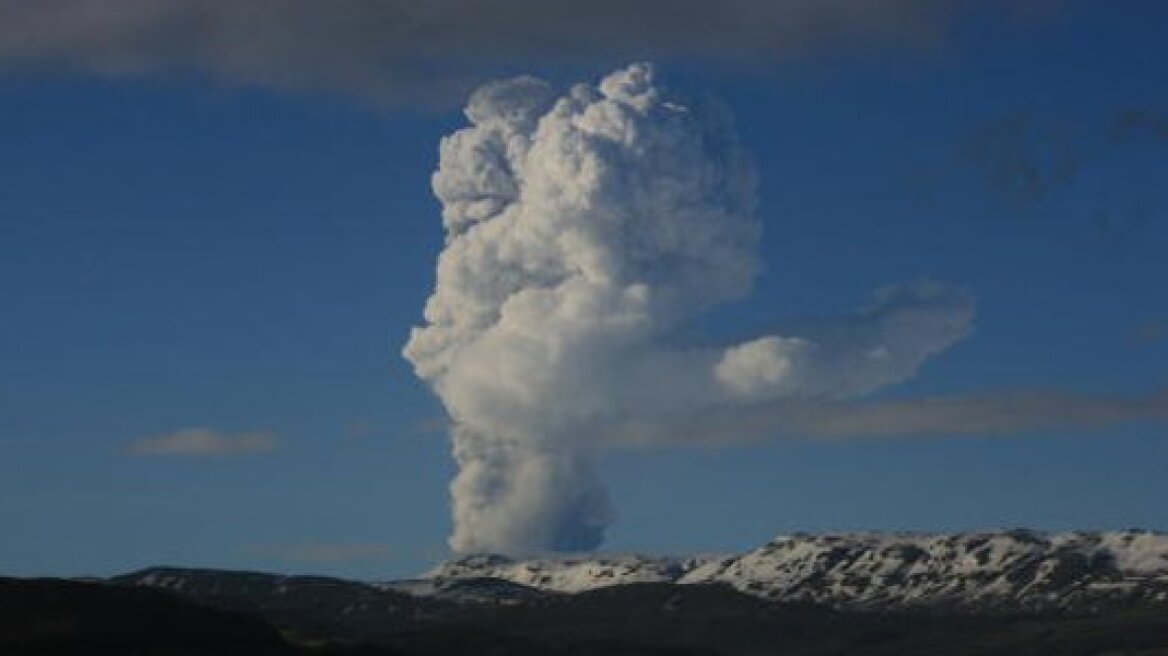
581, 232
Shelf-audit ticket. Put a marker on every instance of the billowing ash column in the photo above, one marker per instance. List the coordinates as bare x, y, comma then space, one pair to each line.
581, 231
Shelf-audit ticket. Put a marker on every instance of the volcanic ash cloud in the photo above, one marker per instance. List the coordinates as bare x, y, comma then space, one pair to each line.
582, 231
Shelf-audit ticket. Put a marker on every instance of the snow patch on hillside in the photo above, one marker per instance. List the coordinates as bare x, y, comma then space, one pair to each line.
1007, 569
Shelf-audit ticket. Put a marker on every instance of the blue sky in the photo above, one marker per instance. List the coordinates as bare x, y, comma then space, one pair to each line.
178, 253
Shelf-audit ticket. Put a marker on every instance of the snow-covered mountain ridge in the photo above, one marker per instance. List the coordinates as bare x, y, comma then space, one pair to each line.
1007, 569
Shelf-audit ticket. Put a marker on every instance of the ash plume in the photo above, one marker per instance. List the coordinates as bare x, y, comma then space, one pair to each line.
583, 230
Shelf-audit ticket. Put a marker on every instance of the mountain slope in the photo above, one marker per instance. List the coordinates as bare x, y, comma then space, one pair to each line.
857, 594
664, 618
307, 608
1014, 570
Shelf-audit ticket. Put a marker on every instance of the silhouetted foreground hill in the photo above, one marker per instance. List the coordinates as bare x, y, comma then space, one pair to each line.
49, 616
216, 612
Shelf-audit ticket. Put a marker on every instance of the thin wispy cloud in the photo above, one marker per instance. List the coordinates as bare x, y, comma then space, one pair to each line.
203, 443
324, 553
1001, 413
404, 51
1022, 159
1029, 163
1133, 123
1150, 332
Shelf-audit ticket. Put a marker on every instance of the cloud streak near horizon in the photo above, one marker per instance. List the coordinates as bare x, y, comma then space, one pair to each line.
986, 413
203, 443
403, 52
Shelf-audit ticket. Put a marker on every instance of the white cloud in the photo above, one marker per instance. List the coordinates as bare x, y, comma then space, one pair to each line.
203, 442
754, 367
